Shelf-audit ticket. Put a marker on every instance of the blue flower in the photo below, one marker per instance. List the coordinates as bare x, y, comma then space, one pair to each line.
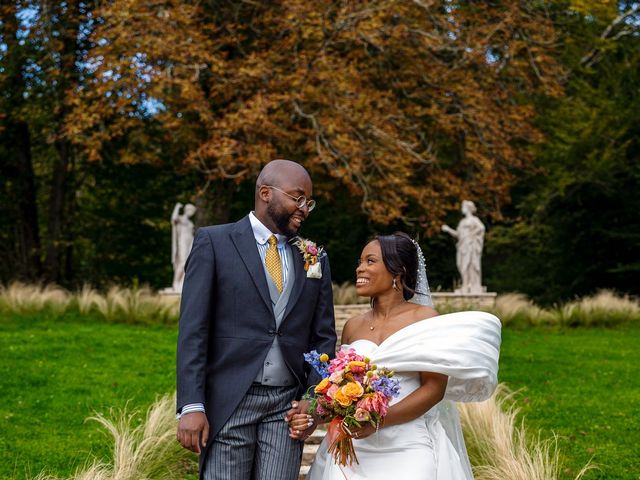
313, 359
389, 387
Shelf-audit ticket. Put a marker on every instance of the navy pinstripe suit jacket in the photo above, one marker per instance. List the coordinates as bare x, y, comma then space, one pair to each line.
227, 322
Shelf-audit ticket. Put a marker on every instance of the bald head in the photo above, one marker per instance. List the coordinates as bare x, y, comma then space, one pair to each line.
279, 185
275, 171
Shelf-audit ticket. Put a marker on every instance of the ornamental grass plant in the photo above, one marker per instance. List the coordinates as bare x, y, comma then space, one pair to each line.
518, 310
88, 299
140, 305
605, 308
144, 306
120, 305
147, 450
499, 446
346, 294
20, 297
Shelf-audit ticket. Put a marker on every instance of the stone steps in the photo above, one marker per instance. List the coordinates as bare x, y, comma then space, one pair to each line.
309, 451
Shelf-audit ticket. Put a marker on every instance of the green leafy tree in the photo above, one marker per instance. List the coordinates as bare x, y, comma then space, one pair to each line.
577, 227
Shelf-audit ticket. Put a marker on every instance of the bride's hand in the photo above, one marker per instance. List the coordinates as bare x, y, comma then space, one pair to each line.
362, 432
301, 425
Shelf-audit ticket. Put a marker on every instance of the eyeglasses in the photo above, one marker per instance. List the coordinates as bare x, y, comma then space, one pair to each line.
301, 201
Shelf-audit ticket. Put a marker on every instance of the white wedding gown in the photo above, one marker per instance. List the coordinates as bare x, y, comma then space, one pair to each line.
465, 346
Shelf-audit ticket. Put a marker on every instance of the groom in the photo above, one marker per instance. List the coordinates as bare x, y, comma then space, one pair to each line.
250, 309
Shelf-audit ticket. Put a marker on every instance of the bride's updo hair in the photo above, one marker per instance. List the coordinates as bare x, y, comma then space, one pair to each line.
400, 257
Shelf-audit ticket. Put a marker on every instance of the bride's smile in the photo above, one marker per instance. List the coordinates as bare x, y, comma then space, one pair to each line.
372, 277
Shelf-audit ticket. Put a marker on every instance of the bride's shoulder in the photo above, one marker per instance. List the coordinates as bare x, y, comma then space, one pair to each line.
359, 319
416, 314
423, 312
354, 324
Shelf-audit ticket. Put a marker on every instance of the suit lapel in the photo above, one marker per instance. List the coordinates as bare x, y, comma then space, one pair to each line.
300, 278
245, 243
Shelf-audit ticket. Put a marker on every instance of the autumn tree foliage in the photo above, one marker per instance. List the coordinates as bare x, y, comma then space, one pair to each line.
410, 105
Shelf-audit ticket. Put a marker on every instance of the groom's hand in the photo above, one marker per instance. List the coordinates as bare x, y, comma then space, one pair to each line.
296, 416
301, 426
193, 430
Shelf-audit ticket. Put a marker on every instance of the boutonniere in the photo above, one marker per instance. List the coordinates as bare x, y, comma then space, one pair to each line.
310, 253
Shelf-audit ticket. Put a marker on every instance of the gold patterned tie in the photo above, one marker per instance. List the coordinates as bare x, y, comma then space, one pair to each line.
272, 260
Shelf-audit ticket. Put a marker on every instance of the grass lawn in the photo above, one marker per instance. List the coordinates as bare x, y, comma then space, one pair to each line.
582, 384
54, 373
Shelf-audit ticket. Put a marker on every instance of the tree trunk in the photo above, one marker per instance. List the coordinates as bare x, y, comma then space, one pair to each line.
57, 243
27, 232
60, 241
23, 252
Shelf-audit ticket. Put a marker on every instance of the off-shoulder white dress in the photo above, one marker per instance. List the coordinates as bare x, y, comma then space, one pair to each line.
465, 346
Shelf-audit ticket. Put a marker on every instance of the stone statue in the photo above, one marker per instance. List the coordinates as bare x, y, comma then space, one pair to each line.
470, 235
181, 241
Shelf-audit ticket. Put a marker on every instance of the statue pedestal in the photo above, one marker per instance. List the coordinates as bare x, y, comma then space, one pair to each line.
169, 292
461, 300
471, 291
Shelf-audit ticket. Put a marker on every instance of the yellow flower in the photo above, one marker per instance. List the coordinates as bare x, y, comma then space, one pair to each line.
353, 390
323, 386
324, 357
342, 399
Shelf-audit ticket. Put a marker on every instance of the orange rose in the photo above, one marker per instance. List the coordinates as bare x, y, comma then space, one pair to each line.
323, 386
353, 390
356, 366
342, 399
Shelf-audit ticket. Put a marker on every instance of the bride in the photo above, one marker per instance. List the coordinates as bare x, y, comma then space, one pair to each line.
438, 359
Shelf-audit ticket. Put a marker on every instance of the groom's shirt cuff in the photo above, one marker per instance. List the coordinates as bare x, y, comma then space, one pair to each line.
190, 408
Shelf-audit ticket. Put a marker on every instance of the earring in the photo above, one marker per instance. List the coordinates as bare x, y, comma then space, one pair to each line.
395, 284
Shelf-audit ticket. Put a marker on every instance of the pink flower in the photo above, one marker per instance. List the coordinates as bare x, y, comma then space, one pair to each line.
374, 402
332, 391
312, 249
321, 411
337, 376
343, 357
361, 415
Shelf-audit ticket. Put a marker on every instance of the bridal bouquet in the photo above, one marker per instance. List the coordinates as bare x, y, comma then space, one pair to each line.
353, 392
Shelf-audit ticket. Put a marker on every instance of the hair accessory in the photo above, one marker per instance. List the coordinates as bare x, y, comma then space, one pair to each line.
423, 293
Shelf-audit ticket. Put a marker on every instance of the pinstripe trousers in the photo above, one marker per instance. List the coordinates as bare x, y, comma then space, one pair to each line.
254, 444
